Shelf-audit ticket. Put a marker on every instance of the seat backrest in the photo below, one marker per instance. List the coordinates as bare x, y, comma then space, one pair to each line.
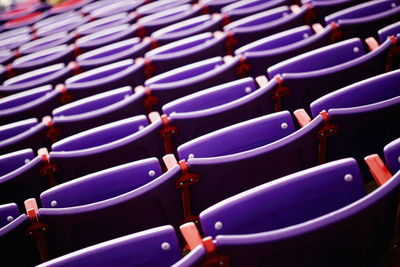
158, 6
115, 8
154, 247
392, 158
102, 185
287, 201
244, 8
8, 212
53, 40
155, 204
390, 30
104, 23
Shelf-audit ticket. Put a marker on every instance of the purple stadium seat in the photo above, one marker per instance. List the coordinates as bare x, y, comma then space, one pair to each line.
66, 24
122, 73
392, 155
127, 49
46, 42
96, 110
53, 75
58, 54
260, 25
104, 23
264, 53
114, 8
151, 23
188, 28
88, 8
15, 32
68, 6
106, 146
25, 20
22, 177
390, 30
160, 5
29, 133
351, 234
54, 19
106, 37
319, 9
34, 103
154, 247
6, 56
186, 51
15, 41
320, 71
188, 79
214, 6
17, 249
244, 8
364, 20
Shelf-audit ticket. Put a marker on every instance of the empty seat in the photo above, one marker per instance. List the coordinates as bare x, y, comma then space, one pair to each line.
244, 8
65, 24
159, 6
319, 9
68, 6
96, 110
15, 41
264, 53
127, 49
364, 20
34, 103
392, 152
390, 30
89, 7
54, 19
214, 6
25, 20
104, 78
113, 8
8, 212
153, 247
46, 42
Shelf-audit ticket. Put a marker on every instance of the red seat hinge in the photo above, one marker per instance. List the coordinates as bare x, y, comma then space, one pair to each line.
48, 168
65, 96
204, 9
52, 132
166, 133
36, 229
10, 71
76, 50
310, 15
243, 69
279, 92
327, 130
184, 182
230, 43
74, 67
150, 100
393, 58
141, 31
336, 34
149, 68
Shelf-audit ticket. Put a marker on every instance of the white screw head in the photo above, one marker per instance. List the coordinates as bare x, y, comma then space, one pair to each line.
305, 35
27, 160
10, 218
191, 156
53, 203
285, 14
152, 173
356, 50
165, 246
393, 5
284, 125
247, 90
398, 159
218, 225
348, 177
141, 127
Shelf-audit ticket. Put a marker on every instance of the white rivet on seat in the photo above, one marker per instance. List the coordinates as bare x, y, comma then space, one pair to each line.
356, 49
53, 203
10, 218
191, 156
141, 127
284, 125
398, 159
152, 173
247, 90
305, 35
218, 225
393, 4
27, 160
165, 246
348, 177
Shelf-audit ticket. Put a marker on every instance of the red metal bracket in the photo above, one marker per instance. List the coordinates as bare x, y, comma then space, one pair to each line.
183, 183
150, 100
17, 54
310, 15
10, 71
74, 67
393, 59
279, 92
327, 130
76, 50
52, 133
36, 229
337, 34
243, 69
378, 169
65, 96
230, 43
166, 133
141, 31
48, 168
225, 19
149, 68
193, 238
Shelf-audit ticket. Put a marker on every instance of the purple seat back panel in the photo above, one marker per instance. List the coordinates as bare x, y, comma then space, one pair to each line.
243, 8
161, 5
14, 42
8, 212
390, 30
307, 85
25, 20
392, 155
46, 42
186, 51
13, 241
321, 9
191, 78
82, 154
35, 103
193, 258
287, 201
104, 78
105, 23
265, 23
158, 202
53, 75
364, 20
68, 6
187, 28
354, 245
139, 249
13, 161
23, 182
126, 49
223, 175
280, 47
86, 9
54, 19
102, 185
115, 8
